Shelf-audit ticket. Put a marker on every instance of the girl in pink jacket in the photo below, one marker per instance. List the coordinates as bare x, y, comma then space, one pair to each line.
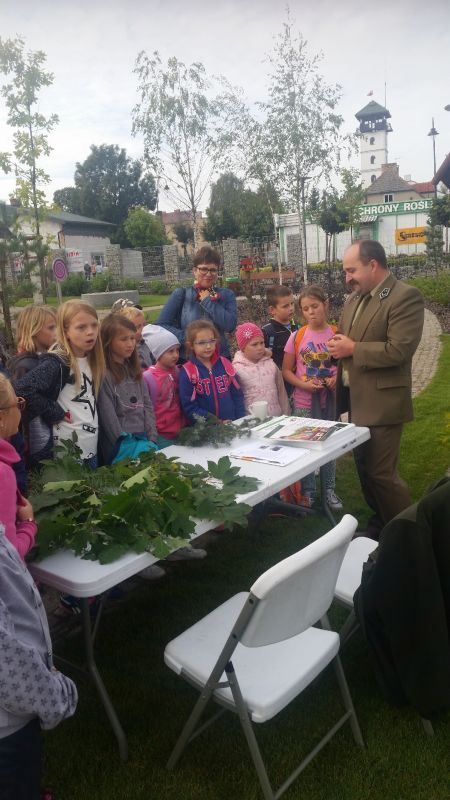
257, 373
16, 513
162, 382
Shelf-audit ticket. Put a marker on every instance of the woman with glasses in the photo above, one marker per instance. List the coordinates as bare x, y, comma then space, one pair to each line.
16, 513
201, 301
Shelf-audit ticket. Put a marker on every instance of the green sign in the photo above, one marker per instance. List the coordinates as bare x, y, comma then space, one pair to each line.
406, 207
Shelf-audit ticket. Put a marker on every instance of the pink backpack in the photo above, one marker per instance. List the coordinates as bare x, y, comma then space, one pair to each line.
192, 372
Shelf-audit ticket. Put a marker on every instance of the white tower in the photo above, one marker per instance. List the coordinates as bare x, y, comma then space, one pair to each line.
373, 132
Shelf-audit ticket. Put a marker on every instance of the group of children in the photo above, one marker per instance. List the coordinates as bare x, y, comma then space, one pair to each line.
119, 385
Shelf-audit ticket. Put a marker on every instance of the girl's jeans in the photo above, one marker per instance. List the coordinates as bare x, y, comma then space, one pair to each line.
328, 471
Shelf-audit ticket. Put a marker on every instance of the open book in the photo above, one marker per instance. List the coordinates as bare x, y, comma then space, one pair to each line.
304, 432
268, 453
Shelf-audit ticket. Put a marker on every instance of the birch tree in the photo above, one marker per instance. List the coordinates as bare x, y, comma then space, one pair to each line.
300, 138
187, 122
26, 76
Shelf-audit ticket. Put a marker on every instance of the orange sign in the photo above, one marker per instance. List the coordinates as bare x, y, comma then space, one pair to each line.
410, 236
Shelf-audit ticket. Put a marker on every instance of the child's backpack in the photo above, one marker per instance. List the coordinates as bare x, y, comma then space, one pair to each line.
299, 337
193, 374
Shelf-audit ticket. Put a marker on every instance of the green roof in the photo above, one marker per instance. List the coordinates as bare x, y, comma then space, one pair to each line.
373, 109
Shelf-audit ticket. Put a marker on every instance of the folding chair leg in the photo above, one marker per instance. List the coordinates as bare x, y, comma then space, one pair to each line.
189, 727
427, 726
349, 627
249, 734
348, 702
345, 691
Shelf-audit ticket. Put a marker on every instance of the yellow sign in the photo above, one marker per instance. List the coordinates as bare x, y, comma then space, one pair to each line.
410, 236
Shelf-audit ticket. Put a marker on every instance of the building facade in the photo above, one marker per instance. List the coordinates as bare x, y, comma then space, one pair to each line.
395, 211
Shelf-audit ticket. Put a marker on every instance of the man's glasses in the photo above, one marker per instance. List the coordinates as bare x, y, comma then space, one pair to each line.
20, 403
208, 270
204, 342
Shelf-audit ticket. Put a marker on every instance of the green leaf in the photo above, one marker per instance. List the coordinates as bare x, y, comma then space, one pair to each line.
54, 486
93, 500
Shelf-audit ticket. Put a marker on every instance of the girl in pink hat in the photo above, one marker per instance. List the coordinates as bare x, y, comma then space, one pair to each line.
257, 373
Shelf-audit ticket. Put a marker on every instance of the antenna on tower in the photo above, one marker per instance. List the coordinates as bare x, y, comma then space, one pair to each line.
385, 95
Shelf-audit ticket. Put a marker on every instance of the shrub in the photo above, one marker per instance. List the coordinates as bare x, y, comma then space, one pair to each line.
100, 282
435, 289
23, 289
129, 283
75, 284
157, 287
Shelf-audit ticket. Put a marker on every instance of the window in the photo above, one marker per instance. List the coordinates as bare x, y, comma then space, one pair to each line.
372, 140
373, 178
372, 159
388, 198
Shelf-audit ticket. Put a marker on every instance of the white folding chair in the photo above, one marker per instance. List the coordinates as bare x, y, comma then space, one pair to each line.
349, 579
256, 652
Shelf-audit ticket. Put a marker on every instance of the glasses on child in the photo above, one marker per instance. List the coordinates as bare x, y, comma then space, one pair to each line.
204, 342
206, 270
19, 403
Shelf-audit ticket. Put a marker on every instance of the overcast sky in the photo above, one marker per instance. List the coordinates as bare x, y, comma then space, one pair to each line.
91, 46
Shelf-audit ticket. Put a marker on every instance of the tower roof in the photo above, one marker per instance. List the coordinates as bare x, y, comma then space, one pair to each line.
373, 109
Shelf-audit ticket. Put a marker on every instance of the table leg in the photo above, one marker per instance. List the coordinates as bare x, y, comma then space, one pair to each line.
323, 498
99, 685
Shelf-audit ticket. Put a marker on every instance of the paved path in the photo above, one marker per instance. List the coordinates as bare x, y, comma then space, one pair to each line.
426, 357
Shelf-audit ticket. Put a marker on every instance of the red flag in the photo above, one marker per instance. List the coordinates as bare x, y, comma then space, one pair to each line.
369, 94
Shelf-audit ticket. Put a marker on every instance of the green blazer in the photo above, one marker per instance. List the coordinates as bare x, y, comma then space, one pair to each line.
387, 332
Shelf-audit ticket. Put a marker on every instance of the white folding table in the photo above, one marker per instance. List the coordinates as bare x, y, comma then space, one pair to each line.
68, 573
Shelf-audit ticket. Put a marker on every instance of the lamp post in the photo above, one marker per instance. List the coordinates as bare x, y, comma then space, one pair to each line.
433, 133
304, 178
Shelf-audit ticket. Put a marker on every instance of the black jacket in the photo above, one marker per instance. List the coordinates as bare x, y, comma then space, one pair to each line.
41, 388
403, 605
275, 337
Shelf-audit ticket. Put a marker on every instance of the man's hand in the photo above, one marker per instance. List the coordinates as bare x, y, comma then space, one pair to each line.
341, 346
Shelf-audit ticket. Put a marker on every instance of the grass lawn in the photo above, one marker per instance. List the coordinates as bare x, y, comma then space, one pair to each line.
400, 762
147, 300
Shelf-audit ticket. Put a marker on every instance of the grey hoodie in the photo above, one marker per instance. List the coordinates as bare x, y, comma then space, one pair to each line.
30, 686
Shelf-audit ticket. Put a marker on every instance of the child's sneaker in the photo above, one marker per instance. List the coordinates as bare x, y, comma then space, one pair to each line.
187, 554
152, 573
72, 604
307, 500
333, 501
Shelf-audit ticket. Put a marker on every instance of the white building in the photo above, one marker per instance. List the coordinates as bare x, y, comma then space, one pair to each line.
82, 239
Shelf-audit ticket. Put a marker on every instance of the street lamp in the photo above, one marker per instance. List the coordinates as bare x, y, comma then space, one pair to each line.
433, 133
304, 178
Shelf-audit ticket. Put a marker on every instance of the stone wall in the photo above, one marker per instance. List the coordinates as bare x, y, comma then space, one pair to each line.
132, 266
293, 252
153, 262
171, 266
231, 249
114, 261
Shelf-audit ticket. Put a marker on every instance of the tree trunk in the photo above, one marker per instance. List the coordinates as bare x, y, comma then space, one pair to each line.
5, 303
303, 267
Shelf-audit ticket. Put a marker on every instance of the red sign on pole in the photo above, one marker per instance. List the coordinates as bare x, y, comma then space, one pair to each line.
60, 270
